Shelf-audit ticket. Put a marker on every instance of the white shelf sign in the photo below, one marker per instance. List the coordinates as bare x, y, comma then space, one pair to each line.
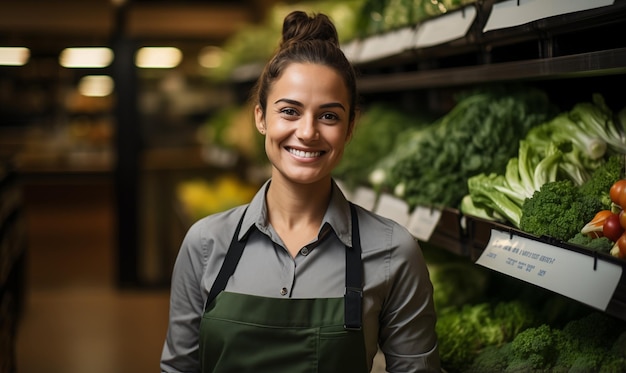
364, 197
393, 208
562, 271
423, 221
387, 44
518, 12
445, 28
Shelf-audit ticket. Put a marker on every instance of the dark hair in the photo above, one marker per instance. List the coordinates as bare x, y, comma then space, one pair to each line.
307, 39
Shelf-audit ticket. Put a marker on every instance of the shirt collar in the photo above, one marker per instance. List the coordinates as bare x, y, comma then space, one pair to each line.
337, 215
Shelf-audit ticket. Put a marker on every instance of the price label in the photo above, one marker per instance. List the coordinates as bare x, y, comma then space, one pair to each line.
423, 221
562, 271
393, 208
518, 12
387, 44
445, 28
364, 197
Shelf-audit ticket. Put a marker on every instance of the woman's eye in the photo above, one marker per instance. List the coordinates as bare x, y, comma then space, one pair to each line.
330, 116
289, 112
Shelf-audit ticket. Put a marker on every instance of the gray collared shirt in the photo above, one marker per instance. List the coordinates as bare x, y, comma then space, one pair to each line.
398, 310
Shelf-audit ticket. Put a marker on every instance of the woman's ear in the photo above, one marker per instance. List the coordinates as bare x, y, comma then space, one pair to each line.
259, 119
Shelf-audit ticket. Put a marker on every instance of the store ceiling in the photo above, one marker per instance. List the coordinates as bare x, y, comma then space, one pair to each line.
47, 26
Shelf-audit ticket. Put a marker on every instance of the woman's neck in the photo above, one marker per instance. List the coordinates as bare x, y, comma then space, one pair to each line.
292, 206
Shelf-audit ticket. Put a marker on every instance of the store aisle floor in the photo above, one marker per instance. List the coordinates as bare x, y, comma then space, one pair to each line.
75, 320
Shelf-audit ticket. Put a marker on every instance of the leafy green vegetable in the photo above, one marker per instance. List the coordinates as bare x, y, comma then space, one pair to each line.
465, 331
375, 135
479, 135
589, 344
596, 118
457, 283
483, 191
559, 210
603, 178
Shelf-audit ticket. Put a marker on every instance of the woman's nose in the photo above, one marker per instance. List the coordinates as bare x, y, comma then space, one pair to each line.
307, 129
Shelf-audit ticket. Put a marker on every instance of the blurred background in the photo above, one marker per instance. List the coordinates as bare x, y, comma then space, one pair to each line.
122, 122
108, 155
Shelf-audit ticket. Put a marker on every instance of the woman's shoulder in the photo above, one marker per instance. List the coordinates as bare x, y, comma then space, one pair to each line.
223, 222
388, 232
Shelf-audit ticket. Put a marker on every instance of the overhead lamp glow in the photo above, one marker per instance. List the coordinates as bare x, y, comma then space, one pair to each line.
87, 57
211, 57
14, 56
96, 85
158, 57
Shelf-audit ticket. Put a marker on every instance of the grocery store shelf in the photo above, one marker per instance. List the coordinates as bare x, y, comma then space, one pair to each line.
607, 62
568, 45
473, 237
479, 234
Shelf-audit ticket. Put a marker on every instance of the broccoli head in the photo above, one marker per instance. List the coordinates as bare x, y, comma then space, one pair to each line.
558, 210
600, 244
464, 332
585, 343
493, 359
603, 178
535, 348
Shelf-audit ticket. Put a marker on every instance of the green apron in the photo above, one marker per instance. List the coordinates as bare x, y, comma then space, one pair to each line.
246, 333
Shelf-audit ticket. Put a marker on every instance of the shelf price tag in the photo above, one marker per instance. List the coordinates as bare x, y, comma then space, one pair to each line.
393, 208
423, 221
518, 12
387, 44
364, 197
562, 271
445, 28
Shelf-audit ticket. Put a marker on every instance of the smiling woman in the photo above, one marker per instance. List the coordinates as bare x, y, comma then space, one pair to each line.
300, 279
306, 126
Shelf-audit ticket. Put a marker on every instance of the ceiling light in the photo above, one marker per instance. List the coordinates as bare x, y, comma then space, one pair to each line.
14, 56
96, 85
211, 57
158, 57
88, 57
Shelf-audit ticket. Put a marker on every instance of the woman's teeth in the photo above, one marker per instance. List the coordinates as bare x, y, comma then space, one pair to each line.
303, 154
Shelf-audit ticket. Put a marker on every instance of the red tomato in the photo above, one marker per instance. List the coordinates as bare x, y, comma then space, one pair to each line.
618, 192
622, 218
621, 243
612, 228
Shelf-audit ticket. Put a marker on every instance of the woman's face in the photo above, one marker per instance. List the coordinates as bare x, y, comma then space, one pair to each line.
306, 125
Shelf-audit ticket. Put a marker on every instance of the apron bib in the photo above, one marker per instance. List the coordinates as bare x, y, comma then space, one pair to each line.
247, 333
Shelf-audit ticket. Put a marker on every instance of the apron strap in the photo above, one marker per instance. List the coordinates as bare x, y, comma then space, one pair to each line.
353, 297
230, 263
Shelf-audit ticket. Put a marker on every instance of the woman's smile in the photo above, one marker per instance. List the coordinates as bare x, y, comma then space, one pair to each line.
304, 153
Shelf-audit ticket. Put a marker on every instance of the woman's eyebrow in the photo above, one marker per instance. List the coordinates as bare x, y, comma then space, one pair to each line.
288, 101
323, 106
333, 105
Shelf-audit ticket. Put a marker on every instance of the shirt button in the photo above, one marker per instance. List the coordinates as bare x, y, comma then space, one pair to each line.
283, 291
305, 251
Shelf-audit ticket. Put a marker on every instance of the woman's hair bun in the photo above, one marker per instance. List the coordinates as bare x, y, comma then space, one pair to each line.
299, 26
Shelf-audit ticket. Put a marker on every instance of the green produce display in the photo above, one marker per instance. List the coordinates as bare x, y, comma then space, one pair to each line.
583, 146
464, 332
594, 343
376, 134
480, 134
377, 16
